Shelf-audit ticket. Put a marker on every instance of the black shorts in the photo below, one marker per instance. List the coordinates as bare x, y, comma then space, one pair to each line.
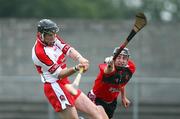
108, 107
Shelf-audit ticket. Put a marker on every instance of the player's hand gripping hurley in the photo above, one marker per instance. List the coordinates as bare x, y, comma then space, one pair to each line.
77, 79
72, 88
140, 22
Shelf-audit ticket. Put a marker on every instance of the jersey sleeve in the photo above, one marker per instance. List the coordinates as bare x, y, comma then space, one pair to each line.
102, 67
132, 66
45, 62
65, 47
54, 69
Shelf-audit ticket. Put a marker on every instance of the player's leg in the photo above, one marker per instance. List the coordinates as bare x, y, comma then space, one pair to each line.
61, 100
108, 107
84, 104
102, 111
69, 113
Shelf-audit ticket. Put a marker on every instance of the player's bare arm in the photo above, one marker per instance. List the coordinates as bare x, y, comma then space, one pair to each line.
76, 56
125, 100
66, 72
69, 71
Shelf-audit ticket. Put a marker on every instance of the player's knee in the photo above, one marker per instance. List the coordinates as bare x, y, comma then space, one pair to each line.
100, 108
102, 112
97, 113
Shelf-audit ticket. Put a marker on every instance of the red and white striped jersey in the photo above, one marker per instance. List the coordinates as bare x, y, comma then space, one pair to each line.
50, 60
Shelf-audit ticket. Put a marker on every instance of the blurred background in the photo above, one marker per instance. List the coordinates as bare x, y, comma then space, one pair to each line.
94, 28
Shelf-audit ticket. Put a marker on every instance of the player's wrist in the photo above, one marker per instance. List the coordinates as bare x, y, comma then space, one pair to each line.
78, 57
75, 68
81, 59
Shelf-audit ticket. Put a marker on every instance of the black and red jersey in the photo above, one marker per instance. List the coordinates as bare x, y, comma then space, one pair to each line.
107, 86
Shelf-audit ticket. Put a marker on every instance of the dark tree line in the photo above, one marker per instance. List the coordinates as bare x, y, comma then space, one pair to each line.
87, 9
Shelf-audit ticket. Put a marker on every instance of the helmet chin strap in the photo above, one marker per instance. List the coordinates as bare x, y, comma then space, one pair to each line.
42, 37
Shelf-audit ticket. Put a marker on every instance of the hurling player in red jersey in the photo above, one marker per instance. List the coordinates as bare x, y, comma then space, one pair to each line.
48, 55
111, 81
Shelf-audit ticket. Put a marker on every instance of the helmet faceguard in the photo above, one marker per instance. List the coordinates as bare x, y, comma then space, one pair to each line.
46, 26
125, 51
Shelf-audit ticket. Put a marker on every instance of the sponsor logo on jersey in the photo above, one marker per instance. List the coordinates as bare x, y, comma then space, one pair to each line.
62, 98
113, 90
